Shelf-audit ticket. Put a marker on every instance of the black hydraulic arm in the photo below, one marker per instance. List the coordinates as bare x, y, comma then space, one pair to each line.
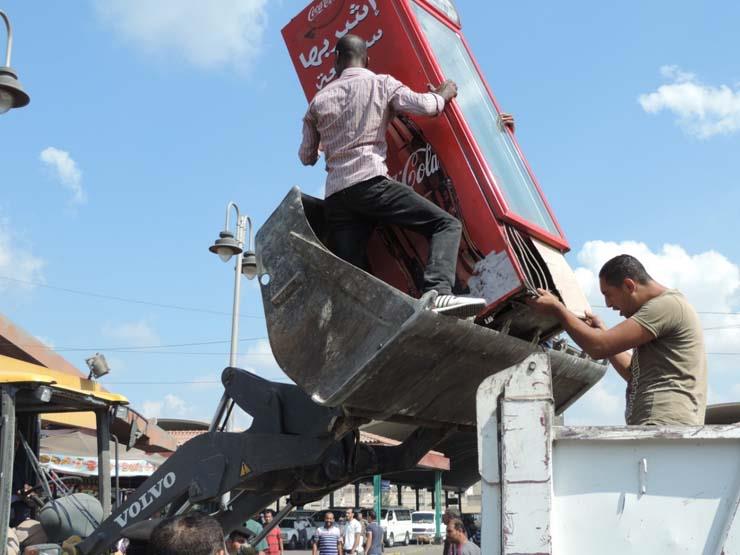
293, 447
204, 468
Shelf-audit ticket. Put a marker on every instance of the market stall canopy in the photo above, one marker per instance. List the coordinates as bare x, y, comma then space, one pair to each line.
75, 452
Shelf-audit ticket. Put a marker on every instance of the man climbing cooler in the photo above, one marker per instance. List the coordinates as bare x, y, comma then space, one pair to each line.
348, 120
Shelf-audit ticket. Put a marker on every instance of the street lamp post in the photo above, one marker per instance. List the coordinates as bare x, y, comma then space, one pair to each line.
226, 246
12, 94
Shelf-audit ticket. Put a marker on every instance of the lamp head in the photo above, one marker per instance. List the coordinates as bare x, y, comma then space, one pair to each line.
225, 246
249, 265
12, 94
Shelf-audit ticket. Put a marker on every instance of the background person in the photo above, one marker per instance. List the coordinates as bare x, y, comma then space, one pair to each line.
666, 372
373, 535
274, 539
458, 539
449, 514
352, 534
255, 527
238, 542
328, 538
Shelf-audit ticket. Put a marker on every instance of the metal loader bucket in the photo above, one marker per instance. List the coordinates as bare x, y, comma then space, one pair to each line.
349, 339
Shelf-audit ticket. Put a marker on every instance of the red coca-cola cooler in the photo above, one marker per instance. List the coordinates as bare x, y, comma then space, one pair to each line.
466, 161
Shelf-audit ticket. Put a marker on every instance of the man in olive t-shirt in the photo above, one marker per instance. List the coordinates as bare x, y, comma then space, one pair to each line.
667, 371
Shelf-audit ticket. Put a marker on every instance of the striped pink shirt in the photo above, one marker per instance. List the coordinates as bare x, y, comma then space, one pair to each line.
349, 117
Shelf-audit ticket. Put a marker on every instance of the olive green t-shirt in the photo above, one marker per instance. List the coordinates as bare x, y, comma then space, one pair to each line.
669, 373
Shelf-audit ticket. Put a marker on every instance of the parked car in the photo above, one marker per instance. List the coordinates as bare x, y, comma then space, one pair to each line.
396, 525
422, 527
297, 532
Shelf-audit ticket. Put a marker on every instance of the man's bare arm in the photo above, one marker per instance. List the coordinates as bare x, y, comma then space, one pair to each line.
621, 361
597, 343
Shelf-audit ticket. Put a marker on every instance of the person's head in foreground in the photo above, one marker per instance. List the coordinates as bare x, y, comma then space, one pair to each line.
456, 531
329, 520
269, 515
192, 534
625, 284
350, 51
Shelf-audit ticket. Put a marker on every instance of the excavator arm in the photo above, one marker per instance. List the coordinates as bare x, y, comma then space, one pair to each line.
293, 447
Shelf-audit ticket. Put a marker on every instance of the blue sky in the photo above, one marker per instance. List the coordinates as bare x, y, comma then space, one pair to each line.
146, 118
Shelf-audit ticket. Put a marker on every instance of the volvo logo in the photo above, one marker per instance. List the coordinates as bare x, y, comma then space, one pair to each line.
149, 496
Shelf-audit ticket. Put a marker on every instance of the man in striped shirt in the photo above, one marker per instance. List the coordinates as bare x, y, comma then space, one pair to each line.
348, 119
327, 540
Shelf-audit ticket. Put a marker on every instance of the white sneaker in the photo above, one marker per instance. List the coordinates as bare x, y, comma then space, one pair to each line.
462, 307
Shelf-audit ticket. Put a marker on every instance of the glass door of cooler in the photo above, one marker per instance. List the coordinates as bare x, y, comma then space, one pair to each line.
522, 197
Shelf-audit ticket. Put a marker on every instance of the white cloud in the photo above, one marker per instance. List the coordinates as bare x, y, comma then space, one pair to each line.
65, 169
17, 262
258, 358
702, 110
710, 281
208, 35
170, 407
134, 334
602, 405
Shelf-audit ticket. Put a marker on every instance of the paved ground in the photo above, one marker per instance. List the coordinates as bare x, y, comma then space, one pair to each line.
398, 550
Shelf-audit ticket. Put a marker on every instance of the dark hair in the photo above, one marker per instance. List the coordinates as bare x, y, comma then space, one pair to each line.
457, 524
235, 534
193, 533
621, 267
453, 512
272, 513
371, 514
351, 47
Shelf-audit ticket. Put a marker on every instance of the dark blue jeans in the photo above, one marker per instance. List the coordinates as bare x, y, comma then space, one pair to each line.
354, 212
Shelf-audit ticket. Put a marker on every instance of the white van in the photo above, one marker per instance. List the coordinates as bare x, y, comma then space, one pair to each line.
422, 527
396, 524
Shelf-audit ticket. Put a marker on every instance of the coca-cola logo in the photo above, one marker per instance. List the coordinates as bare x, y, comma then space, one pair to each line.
317, 8
421, 164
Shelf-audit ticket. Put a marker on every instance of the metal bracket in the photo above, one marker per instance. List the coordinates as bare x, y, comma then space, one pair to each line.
515, 414
643, 476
